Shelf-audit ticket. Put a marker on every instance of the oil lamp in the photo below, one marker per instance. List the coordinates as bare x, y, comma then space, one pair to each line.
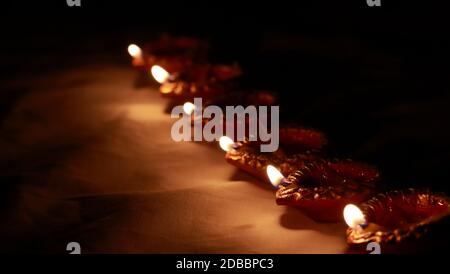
200, 80
137, 54
321, 191
399, 221
288, 158
245, 155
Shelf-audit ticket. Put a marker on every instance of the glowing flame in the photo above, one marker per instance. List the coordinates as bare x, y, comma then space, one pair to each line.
188, 108
353, 216
226, 143
160, 74
274, 175
134, 50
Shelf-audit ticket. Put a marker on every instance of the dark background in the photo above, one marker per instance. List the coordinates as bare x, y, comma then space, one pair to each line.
376, 80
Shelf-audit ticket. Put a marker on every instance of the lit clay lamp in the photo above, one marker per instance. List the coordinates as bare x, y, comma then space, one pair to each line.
246, 155
203, 80
321, 188
139, 60
409, 221
143, 61
241, 98
253, 98
198, 119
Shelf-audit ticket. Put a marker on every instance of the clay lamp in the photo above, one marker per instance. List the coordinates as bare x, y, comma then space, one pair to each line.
400, 222
246, 155
321, 188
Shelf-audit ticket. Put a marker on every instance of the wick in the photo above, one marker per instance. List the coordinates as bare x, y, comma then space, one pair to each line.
235, 145
284, 182
362, 226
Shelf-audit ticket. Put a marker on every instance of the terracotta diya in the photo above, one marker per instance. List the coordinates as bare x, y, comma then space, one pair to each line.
321, 188
202, 80
242, 98
246, 155
400, 221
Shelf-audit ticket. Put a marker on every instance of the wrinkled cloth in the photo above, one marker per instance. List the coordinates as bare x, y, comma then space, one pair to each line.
87, 157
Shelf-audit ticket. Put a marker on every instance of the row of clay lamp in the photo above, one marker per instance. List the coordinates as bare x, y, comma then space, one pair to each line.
325, 190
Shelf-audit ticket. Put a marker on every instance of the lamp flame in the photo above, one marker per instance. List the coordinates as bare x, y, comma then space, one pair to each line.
160, 74
274, 175
134, 50
188, 108
353, 216
226, 143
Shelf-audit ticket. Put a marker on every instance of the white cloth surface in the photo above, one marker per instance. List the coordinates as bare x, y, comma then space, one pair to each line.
96, 165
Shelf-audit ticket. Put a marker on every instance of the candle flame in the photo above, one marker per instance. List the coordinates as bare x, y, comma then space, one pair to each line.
226, 143
274, 175
134, 50
160, 74
188, 108
353, 216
